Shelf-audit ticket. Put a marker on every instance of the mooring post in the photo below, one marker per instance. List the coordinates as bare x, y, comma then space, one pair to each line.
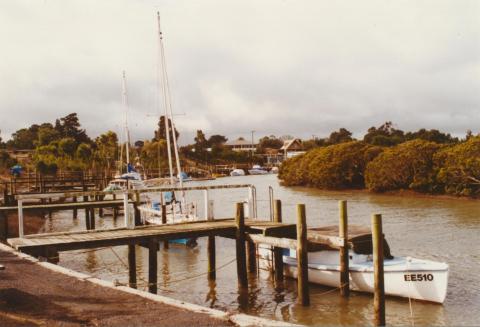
240, 246
379, 287
164, 221
132, 267
85, 198
92, 218
75, 211
302, 256
152, 265
87, 219
3, 226
205, 201
212, 274
125, 210
138, 219
115, 208
50, 210
277, 252
252, 257
20, 218
100, 210
344, 264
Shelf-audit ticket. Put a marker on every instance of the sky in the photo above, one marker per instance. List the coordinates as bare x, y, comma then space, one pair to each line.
278, 67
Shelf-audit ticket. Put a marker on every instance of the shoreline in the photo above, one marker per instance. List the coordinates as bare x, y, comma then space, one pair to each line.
38, 293
401, 193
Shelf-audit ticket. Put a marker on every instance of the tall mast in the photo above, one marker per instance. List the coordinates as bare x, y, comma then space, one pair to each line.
165, 99
127, 132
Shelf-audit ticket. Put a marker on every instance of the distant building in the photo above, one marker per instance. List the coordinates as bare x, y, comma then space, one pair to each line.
241, 144
292, 148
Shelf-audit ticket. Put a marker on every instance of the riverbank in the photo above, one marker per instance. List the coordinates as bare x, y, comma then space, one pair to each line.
39, 293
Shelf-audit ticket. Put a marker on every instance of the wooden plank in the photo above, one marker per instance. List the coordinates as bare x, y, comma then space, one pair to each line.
283, 243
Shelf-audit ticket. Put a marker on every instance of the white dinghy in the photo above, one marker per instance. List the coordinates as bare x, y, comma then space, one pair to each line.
404, 276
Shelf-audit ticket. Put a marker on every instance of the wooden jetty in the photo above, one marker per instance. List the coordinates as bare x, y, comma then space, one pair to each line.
248, 232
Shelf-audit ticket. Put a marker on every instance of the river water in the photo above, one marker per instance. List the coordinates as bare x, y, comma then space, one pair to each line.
439, 229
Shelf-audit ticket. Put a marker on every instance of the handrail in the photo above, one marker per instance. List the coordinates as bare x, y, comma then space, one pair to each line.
131, 191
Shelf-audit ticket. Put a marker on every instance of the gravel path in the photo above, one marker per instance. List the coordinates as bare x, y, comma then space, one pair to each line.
31, 295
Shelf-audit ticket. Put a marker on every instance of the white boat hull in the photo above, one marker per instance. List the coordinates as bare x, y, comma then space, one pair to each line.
404, 277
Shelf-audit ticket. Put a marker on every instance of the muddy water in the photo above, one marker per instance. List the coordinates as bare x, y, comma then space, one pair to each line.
431, 228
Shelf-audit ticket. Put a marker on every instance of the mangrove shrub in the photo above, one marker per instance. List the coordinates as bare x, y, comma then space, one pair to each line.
334, 167
409, 165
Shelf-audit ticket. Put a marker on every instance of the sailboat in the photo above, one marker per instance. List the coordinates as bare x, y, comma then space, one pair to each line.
131, 179
177, 210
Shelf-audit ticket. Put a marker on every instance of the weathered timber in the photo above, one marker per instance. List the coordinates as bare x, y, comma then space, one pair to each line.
132, 266
65, 241
302, 256
379, 287
3, 226
240, 246
251, 256
92, 218
87, 219
164, 221
75, 210
152, 265
277, 251
344, 261
212, 274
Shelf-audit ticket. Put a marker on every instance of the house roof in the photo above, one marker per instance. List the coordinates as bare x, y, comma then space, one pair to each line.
239, 142
288, 143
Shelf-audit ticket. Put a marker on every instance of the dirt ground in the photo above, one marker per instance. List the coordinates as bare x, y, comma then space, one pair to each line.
31, 295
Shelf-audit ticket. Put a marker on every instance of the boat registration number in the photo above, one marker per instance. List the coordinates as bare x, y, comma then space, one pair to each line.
418, 277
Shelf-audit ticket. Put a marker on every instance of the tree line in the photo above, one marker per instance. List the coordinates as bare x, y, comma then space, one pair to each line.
388, 159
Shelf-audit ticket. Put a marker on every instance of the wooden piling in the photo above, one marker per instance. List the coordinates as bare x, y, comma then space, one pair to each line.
115, 208
92, 218
132, 267
212, 274
152, 265
251, 257
240, 246
137, 215
87, 219
379, 287
3, 226
164, 221
277, 252
302, 256
50, 210
344, 260
100, 210
75, 211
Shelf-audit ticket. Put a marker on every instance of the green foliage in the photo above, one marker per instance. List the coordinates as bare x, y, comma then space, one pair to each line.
151, 154
84, 152
216, 140
67, 147
6, 161
270, 142
385, 135
69, 127
340, 136
160, 132
459, 168
332, 167
409, 165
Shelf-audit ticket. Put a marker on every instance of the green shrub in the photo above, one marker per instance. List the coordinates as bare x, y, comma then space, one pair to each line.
409, 165
333, 167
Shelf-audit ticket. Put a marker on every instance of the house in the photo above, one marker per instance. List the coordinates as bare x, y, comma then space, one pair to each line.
241, 144
292, 148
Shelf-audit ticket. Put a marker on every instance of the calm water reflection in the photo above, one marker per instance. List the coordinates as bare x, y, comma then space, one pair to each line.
431, 228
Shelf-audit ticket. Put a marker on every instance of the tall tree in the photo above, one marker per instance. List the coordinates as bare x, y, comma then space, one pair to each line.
340, 136
160, 132
69, 126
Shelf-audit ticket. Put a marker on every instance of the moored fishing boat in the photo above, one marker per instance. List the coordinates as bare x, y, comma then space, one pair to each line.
404, 276
257, 170
237, 172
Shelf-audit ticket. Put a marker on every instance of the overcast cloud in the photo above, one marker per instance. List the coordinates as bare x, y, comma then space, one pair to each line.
277, 67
